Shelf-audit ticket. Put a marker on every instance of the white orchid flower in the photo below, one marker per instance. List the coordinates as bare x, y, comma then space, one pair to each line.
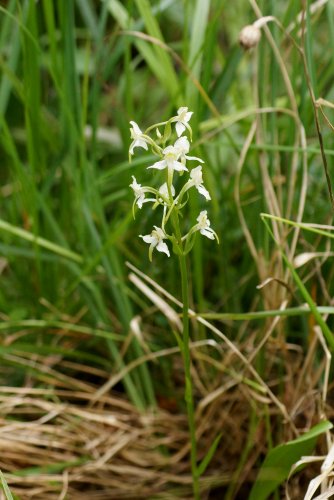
183, 146
138, 138
182, 119
163, 190
203, 226
170, 160
196, 179
155, 240
139, 193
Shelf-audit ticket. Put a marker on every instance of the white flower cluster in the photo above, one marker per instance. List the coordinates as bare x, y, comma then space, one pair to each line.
172, 158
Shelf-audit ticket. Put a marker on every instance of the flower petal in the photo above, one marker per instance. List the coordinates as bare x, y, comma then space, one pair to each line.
202, 190
196, 175
180, 128
135, 127
134, 184
177, 165
148, 238
140, 143
164, 190
162, 247
182, 110
188, 116
182, 144
140, 200
159, 165
137, 143
194, 158
203, 218
207, 233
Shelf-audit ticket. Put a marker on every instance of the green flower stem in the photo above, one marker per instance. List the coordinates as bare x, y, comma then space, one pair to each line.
188, 396
187, 371
181, 245
156, 125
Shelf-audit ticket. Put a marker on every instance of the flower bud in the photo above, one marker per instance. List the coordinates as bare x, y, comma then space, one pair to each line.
249, 36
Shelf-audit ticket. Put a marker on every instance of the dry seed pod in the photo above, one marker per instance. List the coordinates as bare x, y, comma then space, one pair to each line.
249, 36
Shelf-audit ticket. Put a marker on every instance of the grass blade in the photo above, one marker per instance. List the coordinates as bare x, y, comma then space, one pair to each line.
208, 457
277, 464
5, 487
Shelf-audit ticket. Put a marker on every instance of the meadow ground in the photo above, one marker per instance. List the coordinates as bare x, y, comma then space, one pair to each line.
98, 343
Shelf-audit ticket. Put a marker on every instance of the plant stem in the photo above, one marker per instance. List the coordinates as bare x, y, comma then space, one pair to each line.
184, 345
187, 372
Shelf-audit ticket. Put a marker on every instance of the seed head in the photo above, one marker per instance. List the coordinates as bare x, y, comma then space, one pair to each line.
249, 36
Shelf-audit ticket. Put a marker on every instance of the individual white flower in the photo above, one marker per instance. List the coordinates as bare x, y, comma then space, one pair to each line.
170, 160
203, 226
183, 146
139, 193
155, 240
164, 191
196, 179
138, 138
182, 119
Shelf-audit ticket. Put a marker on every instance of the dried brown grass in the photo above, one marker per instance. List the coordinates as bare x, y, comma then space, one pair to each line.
63, 437
107, 451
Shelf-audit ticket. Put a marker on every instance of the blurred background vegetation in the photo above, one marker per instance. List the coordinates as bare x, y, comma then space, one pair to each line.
80, 341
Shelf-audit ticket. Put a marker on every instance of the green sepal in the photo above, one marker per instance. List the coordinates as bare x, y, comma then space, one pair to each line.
167, 132
179, 207
176, 247
156, 149
190, 240
150, 252
133, 209
188, 127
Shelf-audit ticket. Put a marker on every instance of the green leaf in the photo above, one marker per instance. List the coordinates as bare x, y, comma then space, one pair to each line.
179, 340
208, 457
153, 29
328, 334
167, 132
51, 468
42, 242
5, 488
277, 464
197, 40
155, 56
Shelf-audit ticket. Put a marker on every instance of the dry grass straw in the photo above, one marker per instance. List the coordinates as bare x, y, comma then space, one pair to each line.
78, 439
109, 451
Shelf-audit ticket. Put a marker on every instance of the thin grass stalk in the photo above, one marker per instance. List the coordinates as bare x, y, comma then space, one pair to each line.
323, 325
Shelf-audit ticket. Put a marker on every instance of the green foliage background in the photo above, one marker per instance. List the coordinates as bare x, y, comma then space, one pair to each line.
73, 74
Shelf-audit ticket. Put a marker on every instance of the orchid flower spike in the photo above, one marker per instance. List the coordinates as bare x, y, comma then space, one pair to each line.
171, 157
155, 240
182, 119
138, 138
